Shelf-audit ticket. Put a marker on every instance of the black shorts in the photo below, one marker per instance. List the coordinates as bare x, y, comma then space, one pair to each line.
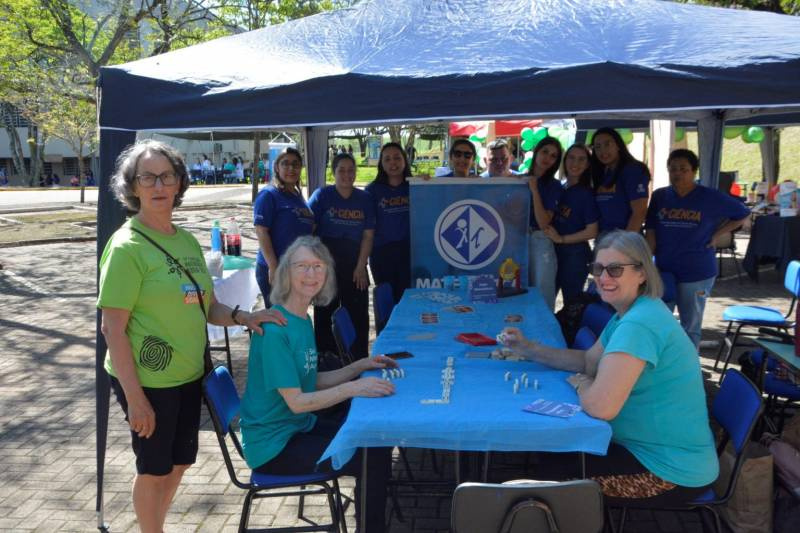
174, 442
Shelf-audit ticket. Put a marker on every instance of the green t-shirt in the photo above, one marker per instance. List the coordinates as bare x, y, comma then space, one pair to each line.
664, 422
283, 357
166, 324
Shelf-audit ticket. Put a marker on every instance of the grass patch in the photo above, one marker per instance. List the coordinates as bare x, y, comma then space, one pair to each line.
41, 230
55, 216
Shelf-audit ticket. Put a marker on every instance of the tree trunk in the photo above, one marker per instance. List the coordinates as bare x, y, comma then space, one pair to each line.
254, 177
396, 134
36, 142
14, 142
412, 135
80, 168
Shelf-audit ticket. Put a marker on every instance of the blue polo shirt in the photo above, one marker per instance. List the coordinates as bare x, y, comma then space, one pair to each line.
576, 210
342, 218
285, 214
391, 212
614, 201
550, 191
684, 226
664, 421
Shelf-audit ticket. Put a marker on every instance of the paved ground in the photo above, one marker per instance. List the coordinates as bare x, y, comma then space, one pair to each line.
47, 417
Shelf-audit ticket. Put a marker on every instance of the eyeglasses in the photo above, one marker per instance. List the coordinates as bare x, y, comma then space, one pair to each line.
149, 180
296, 165
498, 159
614, 270
305, 268
459, 154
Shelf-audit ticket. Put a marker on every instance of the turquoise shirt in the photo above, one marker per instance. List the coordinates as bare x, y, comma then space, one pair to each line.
283, 357
664, 422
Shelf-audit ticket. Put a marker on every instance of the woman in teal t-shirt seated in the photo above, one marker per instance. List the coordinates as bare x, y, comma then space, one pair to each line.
643, 376
280, 435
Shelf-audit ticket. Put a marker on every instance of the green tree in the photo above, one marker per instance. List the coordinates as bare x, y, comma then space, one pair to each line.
785, 7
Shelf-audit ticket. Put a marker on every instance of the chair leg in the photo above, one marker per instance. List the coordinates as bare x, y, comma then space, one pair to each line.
248, 501
623, 515
406, 464
228, 350
730, 348
722, 344
301, 503
738, 268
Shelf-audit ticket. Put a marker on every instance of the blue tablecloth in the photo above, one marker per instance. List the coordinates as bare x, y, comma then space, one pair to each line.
483, 413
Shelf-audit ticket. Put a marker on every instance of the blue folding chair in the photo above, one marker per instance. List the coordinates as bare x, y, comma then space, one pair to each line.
223, 403
344, 332
752, 316
774, 386
382, 305
736, 408
584, 339
596, 316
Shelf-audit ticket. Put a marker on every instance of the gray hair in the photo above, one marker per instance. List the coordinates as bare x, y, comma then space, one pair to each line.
634, 246
123, 181
281, 280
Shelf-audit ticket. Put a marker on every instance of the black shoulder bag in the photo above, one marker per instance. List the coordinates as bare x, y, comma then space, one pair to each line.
208, 364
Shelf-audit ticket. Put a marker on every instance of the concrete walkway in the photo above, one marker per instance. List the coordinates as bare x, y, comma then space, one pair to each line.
47, 407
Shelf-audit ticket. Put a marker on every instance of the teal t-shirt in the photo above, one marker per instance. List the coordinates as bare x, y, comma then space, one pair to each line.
664, 422
283, 357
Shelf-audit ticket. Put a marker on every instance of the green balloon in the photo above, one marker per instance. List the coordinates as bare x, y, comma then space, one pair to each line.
755, 134
525, 166
476, 138
626, 134
527, 144
563, 138
538, 135
590, 137
731, 132
526, 133
680, 133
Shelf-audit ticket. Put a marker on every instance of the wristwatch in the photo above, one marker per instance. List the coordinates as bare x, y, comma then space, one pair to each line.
234, 314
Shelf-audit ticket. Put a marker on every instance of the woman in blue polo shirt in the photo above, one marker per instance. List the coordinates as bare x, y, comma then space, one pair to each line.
620, 183
345, 222
545, 194
574, 224
280, 215
390, 260
684, 223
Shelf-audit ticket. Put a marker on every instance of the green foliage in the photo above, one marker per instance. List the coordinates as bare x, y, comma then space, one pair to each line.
786, 7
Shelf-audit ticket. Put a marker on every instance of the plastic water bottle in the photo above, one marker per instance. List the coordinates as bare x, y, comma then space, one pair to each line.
216, 237
233, 239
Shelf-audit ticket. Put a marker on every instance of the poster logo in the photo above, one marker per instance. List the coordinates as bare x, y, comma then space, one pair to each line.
469, 234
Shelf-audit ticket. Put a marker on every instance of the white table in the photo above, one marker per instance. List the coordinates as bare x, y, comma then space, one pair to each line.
235, 287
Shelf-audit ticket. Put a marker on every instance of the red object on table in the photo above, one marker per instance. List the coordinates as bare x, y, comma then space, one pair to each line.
475, 339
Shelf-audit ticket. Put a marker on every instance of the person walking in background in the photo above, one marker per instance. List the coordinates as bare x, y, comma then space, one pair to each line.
280, 215
344, 217
685, 222
620, 183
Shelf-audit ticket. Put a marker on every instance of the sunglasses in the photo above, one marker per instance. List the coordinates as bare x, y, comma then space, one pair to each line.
458, 154
614, 270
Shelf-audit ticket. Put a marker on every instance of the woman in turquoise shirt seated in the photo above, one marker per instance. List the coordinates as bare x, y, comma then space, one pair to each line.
280, 433
643, 376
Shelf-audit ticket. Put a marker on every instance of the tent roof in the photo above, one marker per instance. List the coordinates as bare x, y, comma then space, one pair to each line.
385, 61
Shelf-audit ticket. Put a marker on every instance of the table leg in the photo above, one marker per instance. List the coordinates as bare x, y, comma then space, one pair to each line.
363, 495
583, 465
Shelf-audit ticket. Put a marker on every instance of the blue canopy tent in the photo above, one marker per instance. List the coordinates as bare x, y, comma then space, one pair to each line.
384, 61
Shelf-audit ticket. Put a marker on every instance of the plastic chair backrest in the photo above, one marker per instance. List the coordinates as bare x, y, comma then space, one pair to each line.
383, 303
596, 316
222, 397
584, 339
343, 329
792, 278
529, 506
736, 407
670, 287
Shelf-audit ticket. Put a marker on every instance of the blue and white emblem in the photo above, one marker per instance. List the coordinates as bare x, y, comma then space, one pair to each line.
469, 234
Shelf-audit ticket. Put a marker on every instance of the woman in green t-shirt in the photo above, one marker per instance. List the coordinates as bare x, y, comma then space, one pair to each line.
153, 324
280, 435
643, 376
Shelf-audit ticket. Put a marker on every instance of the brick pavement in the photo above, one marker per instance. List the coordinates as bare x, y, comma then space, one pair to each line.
47, 417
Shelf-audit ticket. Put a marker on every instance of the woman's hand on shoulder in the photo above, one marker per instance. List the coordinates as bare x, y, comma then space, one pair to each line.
253, 321
371, 388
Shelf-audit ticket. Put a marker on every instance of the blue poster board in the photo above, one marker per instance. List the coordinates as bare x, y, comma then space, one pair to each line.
374, 148
467, 226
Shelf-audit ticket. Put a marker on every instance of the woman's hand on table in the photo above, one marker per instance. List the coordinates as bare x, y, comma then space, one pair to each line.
512, 337
375, 363
371, 387
253, 321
